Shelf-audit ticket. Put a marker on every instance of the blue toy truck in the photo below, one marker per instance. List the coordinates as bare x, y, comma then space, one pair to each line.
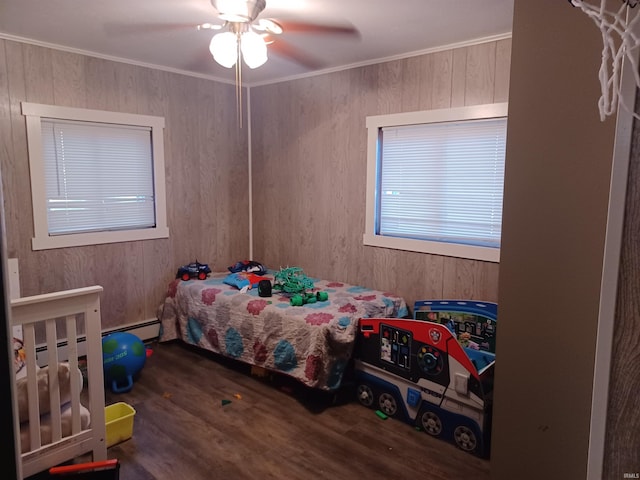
193, 270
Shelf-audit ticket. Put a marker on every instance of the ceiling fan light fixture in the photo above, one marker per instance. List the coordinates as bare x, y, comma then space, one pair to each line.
239, 11
224, 48
254, 50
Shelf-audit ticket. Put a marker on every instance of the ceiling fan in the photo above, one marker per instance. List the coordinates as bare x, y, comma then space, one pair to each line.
245, 36
242, 37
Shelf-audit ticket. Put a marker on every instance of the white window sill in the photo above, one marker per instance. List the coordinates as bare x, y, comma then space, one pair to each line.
97, 238
485, 254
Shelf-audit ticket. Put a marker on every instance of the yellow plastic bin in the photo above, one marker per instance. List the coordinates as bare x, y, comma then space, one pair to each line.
119, 418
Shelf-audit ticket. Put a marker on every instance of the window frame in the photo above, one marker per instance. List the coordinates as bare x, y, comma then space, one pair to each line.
374, 125
34, 113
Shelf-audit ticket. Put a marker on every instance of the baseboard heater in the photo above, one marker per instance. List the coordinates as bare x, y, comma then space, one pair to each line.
146, 331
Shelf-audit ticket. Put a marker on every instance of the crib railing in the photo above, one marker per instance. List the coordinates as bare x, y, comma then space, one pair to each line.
49, 312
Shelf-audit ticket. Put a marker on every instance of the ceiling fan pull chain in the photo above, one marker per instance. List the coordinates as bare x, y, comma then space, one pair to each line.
239, 84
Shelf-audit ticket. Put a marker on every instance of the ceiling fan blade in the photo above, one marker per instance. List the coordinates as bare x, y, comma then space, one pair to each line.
286, 50
304, 27
117, 29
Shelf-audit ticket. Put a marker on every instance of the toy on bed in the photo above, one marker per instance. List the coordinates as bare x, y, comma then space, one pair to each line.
248, 266
193, 270
298, 286
245, 275
243, 281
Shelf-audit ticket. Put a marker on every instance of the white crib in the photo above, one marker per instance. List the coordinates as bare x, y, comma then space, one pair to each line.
59, 436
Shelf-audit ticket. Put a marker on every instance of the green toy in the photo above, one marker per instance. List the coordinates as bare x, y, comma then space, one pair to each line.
298, 300
322, 296
293, 281
382, 415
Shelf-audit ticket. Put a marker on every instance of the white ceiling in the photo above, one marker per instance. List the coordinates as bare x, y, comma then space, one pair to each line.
163, 33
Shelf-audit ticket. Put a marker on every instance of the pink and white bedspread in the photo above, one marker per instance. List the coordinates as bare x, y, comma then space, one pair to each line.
312, 343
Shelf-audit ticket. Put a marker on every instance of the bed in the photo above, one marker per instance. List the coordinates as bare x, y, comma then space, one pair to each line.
54, 425
312, 343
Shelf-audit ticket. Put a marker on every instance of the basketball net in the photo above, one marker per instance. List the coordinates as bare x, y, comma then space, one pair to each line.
619, 41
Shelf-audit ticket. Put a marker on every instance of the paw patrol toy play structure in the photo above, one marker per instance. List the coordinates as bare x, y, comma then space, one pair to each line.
435, 371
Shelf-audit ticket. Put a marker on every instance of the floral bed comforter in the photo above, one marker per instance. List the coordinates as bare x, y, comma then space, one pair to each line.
312, 343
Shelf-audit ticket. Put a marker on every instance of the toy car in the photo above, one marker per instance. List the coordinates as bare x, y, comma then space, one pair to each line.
193, 270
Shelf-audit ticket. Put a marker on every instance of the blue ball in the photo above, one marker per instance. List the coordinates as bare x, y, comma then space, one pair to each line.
123, 356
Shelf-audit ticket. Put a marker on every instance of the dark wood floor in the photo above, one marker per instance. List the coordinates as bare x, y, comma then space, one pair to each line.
271, 429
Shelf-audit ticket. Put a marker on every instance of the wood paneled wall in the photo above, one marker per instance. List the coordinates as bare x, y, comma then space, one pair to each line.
309, 163
622, 441
206, 176
309, 169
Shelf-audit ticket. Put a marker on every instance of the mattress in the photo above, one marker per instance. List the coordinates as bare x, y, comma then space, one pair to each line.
312, 343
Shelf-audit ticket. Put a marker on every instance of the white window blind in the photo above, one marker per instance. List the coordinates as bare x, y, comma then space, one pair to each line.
442, 182
98, 177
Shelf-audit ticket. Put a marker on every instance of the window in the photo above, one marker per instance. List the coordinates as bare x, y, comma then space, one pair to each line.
96, 176
435, 181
